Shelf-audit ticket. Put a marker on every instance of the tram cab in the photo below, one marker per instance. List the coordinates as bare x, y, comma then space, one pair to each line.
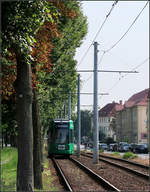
60, 137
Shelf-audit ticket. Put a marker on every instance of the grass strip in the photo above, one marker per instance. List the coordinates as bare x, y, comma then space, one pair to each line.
9, 158
9, 168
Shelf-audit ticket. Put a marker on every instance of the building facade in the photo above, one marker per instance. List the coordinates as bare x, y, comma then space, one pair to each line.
107, 117
131, 120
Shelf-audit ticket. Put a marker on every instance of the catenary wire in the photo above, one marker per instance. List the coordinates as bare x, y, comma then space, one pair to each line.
116, 44
127, 29
113, 5
139, 65
106, 51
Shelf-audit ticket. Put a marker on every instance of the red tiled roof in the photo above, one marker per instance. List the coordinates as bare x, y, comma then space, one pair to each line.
137, 99
119, 107
148, 96
109, 109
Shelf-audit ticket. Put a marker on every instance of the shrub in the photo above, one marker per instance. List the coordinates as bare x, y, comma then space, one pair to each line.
129, 155
101, 150
116, 153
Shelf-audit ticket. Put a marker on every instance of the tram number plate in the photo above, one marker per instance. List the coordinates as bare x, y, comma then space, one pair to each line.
61, 147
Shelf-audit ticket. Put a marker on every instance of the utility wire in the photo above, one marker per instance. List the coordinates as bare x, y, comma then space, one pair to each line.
113, 5
128, 28
106, 51
139, 65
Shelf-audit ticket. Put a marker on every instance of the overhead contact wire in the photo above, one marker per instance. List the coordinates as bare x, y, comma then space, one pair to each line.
127, 29
113, 5
139, 65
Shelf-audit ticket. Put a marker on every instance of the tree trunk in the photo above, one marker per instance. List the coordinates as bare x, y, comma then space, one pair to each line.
37, 165
23, 88
42, 148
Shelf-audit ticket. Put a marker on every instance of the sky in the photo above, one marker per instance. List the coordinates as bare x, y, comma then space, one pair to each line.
129, 53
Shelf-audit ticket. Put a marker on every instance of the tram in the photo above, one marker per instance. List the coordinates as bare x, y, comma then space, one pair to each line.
60, 137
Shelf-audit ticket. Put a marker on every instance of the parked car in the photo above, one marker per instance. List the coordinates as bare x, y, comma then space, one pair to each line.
141, 148
121, 143
90, 144
123, 147
110, 147
113, 147
132, 146
103, 146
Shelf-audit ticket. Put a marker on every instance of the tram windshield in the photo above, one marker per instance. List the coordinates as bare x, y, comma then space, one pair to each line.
62, 134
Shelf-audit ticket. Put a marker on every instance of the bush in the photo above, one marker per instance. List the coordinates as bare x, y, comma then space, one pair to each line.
116, 153
129, 155
101, 150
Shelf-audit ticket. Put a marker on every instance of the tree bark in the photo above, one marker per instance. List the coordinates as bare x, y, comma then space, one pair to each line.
37, 164
42, 148
23, 88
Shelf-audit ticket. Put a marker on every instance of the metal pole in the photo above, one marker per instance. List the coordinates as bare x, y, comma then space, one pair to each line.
69, 102
78, 120
95, 119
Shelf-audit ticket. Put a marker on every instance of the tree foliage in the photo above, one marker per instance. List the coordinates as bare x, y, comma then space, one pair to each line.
42, 34
20, 22
86, 129
63, 78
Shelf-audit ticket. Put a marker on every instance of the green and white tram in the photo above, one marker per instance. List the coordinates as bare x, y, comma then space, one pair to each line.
60, 137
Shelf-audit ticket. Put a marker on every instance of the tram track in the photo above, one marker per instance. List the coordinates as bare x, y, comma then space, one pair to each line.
146, 167
121, 179
77, 177
134, 168
108, 186
60, 172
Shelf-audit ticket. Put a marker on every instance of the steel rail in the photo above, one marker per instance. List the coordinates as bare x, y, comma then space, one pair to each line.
108, 186
66, 184
127, 161
137, 173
